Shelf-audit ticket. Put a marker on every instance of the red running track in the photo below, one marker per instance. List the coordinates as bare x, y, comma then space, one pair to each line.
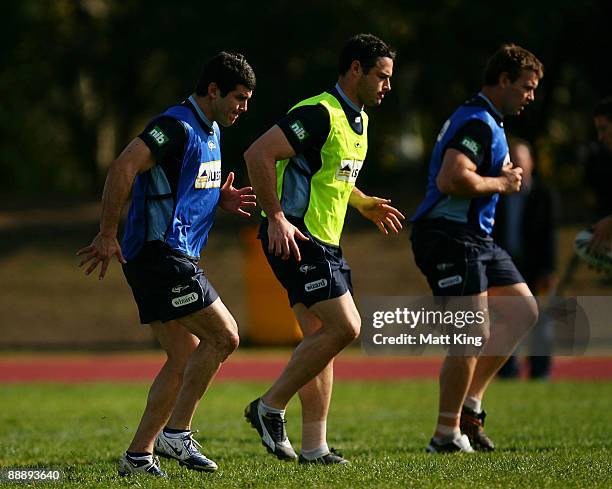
125, 367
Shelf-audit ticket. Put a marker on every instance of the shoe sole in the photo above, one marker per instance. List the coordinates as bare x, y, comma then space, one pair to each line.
346, 462
183, 464
247, 417
128, 473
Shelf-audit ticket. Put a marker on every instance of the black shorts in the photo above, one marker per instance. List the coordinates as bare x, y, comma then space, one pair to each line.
167, 284
322, 274
457, 261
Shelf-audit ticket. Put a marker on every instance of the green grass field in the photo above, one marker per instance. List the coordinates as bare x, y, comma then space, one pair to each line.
548, 435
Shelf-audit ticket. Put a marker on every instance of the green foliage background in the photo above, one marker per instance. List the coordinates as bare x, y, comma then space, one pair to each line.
81, 77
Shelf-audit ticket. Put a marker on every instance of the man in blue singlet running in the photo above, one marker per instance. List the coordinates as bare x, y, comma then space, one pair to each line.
173, 169
452, 245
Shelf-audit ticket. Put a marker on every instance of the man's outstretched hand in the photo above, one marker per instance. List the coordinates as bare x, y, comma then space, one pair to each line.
234, 199
100, 252
380, 213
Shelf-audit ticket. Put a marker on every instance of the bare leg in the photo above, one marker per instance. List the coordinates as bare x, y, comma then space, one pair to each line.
218, 334
315, 396
455, 378
179, 344
517, 317
340, 325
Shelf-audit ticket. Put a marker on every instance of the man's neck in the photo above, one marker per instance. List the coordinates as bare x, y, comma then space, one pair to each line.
350, 91
203, 103
494, 97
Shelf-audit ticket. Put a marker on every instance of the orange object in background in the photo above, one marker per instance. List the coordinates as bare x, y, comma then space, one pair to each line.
270, 319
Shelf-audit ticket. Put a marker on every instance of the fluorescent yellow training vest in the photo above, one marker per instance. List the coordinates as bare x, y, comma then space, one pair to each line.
342, 157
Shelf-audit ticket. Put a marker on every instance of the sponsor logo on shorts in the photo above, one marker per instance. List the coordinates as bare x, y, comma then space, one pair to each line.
349, 170
298, 130
307, 268
450, 281
317, 284
185, 299
468, 143
159, 136
444, 266
179, 288
209, 175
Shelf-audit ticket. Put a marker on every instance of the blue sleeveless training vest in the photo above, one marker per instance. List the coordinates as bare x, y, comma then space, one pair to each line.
479, 211
183, 223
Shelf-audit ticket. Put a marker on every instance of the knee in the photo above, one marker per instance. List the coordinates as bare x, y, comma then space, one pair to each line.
229, 339
529, 312
178, 357
349, 329
232, 342
485, 333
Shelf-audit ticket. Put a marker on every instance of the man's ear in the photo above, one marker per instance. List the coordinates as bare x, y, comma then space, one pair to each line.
213, 90
504, 79
356, 68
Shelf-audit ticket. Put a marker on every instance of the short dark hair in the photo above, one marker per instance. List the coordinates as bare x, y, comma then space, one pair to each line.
604, 107
365, 48
226, 70
511, 59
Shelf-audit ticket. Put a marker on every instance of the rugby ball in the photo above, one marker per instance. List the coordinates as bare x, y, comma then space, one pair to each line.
601, 262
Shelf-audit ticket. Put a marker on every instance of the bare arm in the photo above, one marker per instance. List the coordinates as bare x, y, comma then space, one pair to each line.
135, 158
458, 178
261, 158
377, 210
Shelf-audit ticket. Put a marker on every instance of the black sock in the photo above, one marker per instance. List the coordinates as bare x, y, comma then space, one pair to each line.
172, 431
137, 454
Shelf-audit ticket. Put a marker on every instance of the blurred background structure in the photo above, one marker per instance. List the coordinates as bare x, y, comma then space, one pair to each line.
80, 78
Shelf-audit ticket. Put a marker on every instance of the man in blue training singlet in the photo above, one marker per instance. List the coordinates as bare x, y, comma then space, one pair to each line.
174, 171
453, 248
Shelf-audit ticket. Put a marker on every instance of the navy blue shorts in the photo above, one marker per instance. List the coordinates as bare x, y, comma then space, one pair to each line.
457, 261
322, 274
167, 284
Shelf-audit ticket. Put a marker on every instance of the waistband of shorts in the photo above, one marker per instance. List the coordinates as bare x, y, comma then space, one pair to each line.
298, 222
157, 247
451, 227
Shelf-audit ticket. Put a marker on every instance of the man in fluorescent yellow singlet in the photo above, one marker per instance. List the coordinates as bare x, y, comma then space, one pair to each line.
304, 170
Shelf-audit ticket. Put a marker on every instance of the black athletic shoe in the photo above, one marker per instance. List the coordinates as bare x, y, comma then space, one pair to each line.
472, 424
140, 465
271, 429
330, 458
460, 444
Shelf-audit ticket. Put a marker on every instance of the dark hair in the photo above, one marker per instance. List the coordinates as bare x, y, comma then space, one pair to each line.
227, 70
604, 107
365, 48
511, 59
